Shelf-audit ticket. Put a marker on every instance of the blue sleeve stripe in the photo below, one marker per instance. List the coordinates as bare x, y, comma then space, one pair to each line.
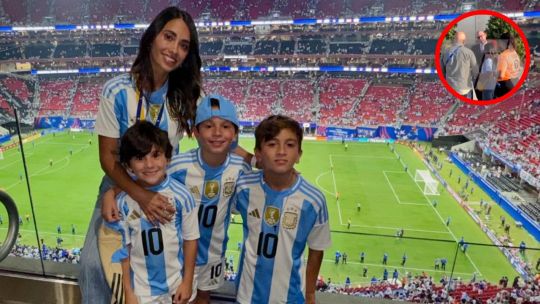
112, 86
236, 158
185, 195
236, 162
322, 198
314, 194
187, 155
311, 196
191, 201
183, 158
247, 180
111, 91
312, 189
188, 200
179, 162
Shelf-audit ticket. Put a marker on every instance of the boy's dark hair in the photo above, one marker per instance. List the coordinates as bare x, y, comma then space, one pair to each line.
185, 82
272, 125
139, 140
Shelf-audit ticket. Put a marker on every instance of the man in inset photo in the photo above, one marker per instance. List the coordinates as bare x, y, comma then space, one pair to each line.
459, 65
479, 50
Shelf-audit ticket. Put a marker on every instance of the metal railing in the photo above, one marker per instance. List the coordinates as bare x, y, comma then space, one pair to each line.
13, 227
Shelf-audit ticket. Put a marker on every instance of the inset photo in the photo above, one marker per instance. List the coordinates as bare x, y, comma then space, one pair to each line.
482, 57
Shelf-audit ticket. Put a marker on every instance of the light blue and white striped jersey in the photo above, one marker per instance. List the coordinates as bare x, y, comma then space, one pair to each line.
118, 110
212, 189
156, 256
277, 226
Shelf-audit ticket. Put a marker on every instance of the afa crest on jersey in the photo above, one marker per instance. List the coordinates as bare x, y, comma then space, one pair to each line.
228, 188
195, 191
271, 215
290, 219
211, 189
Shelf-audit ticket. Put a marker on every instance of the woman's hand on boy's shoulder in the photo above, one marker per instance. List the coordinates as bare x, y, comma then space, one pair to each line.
157, 207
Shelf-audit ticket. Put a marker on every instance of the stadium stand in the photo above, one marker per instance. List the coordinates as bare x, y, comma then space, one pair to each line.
71, 50
19, 89
105, 50
311, 46
429, 102
39, 10
337, 97
105, 11
234, 89
38, 50
390, 46
86, 99
10, 50
16, 11
380, 105
298, 98
266, 47
261, 99
55, 97
211, 47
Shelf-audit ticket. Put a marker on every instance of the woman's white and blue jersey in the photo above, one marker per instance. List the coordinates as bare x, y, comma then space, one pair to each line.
156, 255
213, 188
277, 226
118, 109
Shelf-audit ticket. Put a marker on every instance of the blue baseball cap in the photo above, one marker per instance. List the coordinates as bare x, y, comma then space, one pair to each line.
226, 109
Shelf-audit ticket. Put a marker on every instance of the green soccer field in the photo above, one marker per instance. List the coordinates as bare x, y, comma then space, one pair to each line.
367, 173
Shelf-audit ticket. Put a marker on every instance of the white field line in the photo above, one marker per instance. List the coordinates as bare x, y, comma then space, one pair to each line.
335, 188
439, 215
395, 194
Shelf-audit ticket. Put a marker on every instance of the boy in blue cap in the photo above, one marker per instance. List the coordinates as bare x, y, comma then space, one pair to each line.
210, 172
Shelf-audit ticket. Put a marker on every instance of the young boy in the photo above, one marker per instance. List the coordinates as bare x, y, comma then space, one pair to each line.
281, 213
210, 172
158, 260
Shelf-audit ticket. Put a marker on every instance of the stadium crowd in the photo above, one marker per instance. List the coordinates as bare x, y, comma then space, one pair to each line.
423, 289
55, 254
138, 10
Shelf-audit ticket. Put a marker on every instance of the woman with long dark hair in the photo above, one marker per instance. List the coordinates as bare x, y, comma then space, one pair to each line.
163, 87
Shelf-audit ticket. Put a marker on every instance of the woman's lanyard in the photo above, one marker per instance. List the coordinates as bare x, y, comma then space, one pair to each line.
139, 111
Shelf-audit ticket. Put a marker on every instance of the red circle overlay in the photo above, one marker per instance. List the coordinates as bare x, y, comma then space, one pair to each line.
525, 65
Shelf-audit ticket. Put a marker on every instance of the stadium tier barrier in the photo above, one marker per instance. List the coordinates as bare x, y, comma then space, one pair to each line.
529, 224
5, 138
420, 133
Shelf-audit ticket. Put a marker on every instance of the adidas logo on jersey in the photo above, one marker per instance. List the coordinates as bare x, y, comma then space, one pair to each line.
255, 213
134, 215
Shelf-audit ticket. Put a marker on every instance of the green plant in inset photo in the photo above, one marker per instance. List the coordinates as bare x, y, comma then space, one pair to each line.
497, 27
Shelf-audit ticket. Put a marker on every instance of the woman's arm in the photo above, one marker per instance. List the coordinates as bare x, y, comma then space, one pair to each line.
243, 153
154, 205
